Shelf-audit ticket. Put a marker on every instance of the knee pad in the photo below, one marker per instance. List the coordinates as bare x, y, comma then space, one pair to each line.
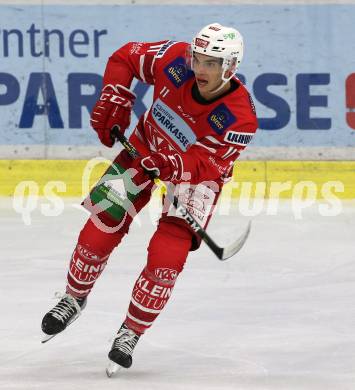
99, 241
168, 249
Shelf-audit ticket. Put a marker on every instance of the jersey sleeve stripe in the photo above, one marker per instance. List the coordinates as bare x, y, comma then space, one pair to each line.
155, 48
214, 140
141, 64
147, 69
206, 147
152, 67
229, 152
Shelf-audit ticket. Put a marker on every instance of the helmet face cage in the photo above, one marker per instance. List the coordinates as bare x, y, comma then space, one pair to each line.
229, 67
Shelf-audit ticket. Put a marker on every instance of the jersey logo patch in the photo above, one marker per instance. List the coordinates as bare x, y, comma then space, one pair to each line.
221, 118
177, 72
238, 138
173, 125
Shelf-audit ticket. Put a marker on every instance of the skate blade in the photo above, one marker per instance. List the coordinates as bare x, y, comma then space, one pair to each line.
47, 337
112, 368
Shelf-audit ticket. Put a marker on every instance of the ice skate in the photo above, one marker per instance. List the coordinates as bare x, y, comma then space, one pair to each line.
121, 350
66, 311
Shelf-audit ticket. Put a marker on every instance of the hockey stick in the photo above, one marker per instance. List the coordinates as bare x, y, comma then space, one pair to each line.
223, 253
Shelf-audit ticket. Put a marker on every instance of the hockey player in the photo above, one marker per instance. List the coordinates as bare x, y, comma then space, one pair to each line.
200, 120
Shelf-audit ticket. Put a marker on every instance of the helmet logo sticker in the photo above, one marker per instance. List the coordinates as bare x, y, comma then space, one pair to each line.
201, 43
230, 35
214, 28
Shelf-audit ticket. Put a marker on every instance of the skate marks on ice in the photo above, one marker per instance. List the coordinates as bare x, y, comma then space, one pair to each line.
280, 318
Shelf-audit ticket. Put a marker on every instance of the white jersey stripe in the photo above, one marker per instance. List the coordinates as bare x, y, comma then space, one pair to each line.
154, 48
234, 151
145, 116
129, 315
151, 68
206, 147
141, 64
214, 140
229, 153
138, 134
79, 291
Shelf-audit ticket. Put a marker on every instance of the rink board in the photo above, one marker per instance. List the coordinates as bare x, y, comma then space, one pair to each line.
52, 62
69, 178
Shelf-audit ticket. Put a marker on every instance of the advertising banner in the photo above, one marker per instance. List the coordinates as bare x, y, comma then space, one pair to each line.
299, 66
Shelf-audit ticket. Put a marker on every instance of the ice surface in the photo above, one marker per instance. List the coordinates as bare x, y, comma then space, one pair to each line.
279, 315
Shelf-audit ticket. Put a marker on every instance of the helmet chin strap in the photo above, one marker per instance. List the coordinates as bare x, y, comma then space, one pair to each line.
224, 81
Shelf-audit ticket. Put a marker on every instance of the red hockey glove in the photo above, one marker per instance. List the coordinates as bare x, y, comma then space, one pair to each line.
167, 166
113, 108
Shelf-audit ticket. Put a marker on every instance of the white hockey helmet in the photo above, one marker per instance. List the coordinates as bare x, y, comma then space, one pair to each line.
223, 42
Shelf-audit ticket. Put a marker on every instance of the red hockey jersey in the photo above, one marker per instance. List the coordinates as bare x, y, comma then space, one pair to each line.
209, 135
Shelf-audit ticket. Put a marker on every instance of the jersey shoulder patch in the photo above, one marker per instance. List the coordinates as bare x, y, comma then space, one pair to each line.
177, 71
221, 118
238, 137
